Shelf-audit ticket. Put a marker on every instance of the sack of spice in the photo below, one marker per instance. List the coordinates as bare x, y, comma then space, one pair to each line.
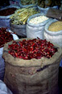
19, 20
32, 66
5, 36
45, 5
53, 32
27, 3
5, 14
35, 25
54, 13
45, 10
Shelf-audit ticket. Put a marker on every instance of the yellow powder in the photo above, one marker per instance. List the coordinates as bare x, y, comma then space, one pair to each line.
56, 26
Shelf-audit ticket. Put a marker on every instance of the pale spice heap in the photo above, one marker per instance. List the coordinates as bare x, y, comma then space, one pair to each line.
38, 19
56, 26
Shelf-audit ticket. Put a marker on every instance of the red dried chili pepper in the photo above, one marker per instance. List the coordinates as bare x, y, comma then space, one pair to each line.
35, 48
4, 37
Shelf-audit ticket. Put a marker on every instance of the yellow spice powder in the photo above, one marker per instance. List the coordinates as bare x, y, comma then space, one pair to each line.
56, 26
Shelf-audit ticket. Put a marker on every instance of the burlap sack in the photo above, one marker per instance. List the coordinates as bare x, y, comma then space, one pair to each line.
35, 76
54, 13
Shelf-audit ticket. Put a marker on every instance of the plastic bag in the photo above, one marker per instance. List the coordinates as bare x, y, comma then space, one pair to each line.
4, 89
5, 20
54, 37
35, 30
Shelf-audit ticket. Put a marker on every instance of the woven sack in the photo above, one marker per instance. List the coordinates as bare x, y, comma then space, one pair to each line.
35, 76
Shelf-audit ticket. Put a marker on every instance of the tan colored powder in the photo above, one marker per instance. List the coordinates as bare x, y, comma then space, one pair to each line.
56, 26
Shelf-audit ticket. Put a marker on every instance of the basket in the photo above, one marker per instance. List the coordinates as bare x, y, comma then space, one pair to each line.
35, 76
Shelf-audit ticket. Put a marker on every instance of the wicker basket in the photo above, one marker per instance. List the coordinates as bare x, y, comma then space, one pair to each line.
35, 76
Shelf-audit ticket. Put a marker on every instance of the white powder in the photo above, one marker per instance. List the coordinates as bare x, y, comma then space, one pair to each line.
38, 19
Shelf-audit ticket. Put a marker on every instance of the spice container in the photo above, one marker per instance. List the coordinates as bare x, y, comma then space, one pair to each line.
53, 32
35, 26
33, 75
19, 20
5, 36
5, 14
27, 3
45, 5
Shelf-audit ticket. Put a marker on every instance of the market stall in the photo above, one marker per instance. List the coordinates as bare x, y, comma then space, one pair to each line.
30, 46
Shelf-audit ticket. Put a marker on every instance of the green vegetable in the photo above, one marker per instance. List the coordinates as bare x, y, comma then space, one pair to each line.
27, 2
21, 15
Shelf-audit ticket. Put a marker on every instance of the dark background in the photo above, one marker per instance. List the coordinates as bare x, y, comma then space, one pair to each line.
4, 2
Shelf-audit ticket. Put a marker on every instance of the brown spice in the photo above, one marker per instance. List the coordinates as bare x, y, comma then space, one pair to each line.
56, 26
7, 12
